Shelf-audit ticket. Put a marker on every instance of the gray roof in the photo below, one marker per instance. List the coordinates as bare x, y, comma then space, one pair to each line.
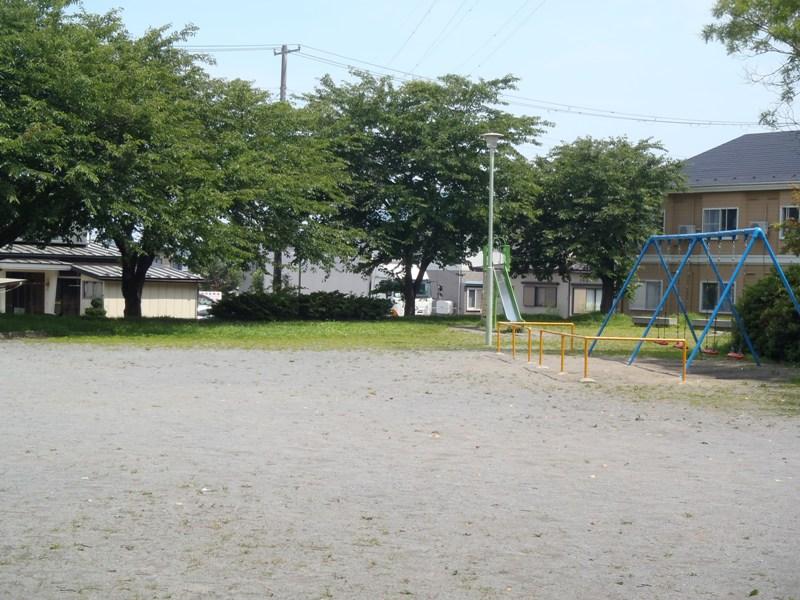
13, 260
154, 273
63, 251
755, 160
91, 259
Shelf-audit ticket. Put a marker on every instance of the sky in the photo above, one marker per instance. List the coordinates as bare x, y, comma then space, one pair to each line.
638, 63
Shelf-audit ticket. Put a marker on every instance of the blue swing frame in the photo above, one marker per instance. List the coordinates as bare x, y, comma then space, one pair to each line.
750, 235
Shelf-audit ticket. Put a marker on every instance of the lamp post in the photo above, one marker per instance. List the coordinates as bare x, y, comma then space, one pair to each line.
491, 140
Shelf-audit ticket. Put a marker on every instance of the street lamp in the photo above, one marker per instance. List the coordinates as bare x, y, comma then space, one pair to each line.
491, 140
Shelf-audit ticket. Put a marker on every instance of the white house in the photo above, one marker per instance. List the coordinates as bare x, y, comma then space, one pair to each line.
62, 279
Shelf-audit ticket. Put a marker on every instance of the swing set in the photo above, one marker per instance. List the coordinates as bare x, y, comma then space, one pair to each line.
724, 300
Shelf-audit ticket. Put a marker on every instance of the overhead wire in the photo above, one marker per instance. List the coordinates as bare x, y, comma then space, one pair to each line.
505, 40
557, 107
480, 47
414, 31
511, 99
442, 34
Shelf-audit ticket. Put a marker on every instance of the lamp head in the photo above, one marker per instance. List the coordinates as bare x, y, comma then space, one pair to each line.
491, 139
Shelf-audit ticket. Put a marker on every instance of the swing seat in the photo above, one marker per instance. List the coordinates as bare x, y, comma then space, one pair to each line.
679, 345
661, 342
735, 355
709, 351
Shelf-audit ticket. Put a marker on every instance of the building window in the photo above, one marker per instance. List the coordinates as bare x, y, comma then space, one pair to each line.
92, 289
648, 295
474, 298
542, 296
709, 296
789, 213
720, 219
586, 299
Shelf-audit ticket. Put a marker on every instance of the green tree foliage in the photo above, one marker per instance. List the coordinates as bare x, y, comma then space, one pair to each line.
770, 317
791, 235
46, 125
418, 165
283, 180
790, 230
599, 202
157, 190
762, 27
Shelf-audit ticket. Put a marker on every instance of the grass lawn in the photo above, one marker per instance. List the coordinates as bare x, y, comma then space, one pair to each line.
432, 333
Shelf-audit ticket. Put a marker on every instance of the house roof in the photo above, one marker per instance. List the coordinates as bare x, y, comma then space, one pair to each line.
90, 259
59, 251
753, 161
154, 273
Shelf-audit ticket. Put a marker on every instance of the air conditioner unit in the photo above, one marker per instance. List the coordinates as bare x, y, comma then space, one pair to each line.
684, 229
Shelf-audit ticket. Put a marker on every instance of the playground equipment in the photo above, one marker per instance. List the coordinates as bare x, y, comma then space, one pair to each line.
701, 241
572, 336
503, 289
515, 326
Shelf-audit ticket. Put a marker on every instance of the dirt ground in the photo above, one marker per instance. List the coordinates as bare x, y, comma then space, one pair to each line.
163, 473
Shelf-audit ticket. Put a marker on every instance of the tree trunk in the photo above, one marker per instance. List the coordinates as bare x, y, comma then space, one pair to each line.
134, 272
409, 290
609, 291
277, 271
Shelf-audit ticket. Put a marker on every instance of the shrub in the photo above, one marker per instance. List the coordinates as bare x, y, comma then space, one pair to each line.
770, 318
96, 309
287, 306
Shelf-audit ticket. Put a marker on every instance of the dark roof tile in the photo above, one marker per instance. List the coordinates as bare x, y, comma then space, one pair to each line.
755, 158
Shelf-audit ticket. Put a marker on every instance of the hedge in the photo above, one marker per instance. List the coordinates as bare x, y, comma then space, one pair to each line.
289, 306
770, 318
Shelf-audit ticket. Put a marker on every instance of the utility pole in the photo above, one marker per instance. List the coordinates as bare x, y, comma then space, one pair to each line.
277, 260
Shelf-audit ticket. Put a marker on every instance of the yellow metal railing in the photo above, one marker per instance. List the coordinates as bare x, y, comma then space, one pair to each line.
515, 326
586, 339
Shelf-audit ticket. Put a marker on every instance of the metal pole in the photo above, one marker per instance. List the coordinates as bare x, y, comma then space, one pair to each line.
621, 292
585, 358
683, 369
530, 342
563, 346
513, 342
490, 244
541, 347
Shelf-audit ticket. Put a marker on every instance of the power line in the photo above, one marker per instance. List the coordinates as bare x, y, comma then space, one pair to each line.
546, 105
408, 39
215, 48
442, 34
510, 35
511, 99
494, 35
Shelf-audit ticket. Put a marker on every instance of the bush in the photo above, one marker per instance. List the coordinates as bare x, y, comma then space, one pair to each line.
96, 310
288, 306
770, 318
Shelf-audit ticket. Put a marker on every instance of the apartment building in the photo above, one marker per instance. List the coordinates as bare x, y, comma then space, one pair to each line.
751, 181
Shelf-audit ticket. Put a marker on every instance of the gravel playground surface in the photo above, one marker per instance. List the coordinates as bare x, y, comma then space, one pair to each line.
165, 473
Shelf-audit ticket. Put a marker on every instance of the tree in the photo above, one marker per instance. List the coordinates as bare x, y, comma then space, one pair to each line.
599, 202
157, 191
762, 27
418, 165
284, 181
46, 140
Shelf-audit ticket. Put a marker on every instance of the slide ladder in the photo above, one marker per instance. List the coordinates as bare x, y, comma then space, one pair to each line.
506, 293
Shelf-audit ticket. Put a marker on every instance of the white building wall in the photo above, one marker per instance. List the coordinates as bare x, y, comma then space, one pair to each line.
176, 300
113, 301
